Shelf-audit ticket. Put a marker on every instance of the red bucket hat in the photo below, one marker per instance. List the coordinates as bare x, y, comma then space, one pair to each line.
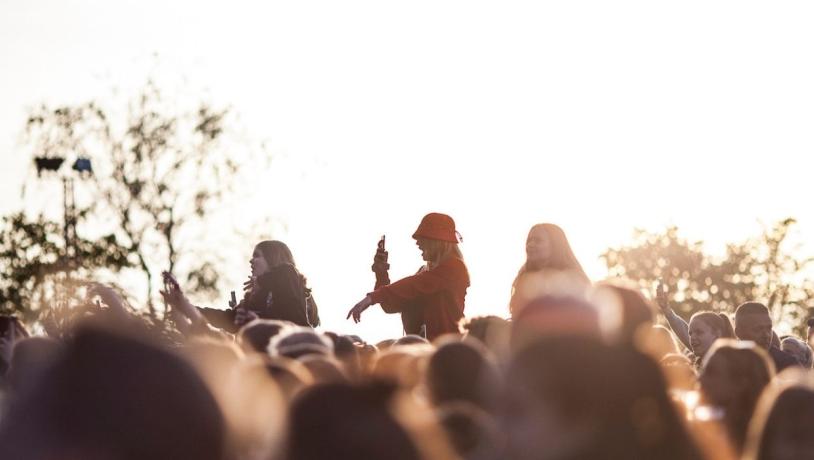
436, 226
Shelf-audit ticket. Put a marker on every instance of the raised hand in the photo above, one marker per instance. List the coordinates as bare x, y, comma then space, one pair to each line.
662, 299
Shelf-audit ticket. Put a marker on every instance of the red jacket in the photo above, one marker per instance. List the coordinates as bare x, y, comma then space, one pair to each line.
438, 292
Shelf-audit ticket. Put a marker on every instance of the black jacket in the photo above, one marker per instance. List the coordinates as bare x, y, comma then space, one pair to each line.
281, 294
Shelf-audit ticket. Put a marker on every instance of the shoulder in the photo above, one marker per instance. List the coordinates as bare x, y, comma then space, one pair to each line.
453, 268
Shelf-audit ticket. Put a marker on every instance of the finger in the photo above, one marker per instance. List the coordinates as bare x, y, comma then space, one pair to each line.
349, 314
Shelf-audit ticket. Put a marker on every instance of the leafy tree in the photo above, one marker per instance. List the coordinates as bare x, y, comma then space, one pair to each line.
160, 170
763, 268
34, 263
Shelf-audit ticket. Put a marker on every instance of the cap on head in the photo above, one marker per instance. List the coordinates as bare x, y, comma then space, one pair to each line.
436, 226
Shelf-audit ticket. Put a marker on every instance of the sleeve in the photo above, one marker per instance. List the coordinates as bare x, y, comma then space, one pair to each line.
680, 328
394, 296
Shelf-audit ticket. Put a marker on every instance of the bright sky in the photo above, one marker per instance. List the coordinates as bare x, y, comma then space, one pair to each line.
599, 116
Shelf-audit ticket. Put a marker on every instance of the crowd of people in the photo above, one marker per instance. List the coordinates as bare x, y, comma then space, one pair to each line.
574, 370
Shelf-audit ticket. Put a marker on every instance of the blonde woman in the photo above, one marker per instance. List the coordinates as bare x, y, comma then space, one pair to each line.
433, 297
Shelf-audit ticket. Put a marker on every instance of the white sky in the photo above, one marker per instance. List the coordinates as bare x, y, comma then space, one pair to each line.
599, 116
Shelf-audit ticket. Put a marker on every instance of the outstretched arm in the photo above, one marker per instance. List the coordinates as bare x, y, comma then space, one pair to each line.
680, 327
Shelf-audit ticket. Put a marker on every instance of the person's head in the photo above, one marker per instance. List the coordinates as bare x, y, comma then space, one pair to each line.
113, 396
255, 336
471, 431
553, 317
437, 238
705, 328
571, 397
623, 310
799, 349
295, 342
548, 247
733, 374
753, 322
733, 370
342, 421
463, 371
783, 425
268, 254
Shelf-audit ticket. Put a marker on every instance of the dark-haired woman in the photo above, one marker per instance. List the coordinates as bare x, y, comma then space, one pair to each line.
275, 290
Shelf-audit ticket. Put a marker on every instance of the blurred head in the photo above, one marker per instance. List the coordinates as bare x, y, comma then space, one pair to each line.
573, 397
295, 342
733, 375
324, 369
462, 371
268, 254
553, 317
783, 424
752, 322
471, 431
344, 422
705, 328
623, 310
255, 336
799, 349
114, 397
734, 372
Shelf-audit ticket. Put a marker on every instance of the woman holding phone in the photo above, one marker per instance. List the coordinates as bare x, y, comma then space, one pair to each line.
275, 290
433, 298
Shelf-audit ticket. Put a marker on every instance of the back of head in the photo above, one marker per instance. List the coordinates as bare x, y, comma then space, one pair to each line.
593, 403
112, 396
295, 342
462, 371
340, 421
718, 322
751, 308
799, 349
255, 336
472, 432
733, 375
624, 311
783, 425
554, 316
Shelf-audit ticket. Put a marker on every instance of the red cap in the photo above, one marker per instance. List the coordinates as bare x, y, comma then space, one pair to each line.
436, 226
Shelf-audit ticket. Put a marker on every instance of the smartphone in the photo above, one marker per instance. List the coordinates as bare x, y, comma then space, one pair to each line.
233, 302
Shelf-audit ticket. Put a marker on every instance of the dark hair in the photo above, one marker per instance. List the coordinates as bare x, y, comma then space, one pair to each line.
462, 371
746, 363
256, 335
718, 322
785, 414
344, 422
113, 396
615, 388
751, 308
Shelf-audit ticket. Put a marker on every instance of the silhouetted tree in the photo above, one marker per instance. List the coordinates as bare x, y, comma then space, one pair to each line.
34, 265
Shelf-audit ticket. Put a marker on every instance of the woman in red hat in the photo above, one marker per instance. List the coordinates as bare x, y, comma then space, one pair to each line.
433, 297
